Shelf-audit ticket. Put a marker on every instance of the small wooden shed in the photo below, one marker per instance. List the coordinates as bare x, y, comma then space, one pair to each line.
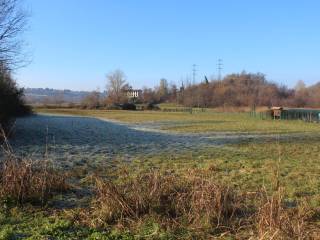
276, 112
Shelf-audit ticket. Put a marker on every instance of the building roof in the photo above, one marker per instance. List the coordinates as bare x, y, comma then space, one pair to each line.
276, 108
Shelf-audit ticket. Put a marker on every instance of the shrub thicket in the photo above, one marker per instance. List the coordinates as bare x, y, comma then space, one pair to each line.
128, 106
11, 99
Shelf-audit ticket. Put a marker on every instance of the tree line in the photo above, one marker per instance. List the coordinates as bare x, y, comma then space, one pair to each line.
12, 24
249, 89
234, 90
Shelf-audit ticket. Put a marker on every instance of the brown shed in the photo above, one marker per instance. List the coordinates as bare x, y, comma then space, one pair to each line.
276, 112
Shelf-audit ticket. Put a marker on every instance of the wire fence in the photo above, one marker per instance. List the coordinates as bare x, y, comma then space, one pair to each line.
303, 115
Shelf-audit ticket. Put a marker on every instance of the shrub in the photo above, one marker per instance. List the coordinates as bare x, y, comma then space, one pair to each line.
113, 107
92, 101
152, 106
128, 106
11, 100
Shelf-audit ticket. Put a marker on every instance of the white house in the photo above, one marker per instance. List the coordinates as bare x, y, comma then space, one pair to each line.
134, 93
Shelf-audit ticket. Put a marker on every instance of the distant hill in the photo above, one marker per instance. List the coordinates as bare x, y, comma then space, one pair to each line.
49, 95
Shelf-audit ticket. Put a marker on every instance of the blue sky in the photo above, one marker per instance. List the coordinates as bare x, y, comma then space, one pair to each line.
75, 43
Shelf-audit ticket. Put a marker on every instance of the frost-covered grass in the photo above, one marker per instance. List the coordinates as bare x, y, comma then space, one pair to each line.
242, 160
84, 141
246, 168
92, 142
245, 163
209, 121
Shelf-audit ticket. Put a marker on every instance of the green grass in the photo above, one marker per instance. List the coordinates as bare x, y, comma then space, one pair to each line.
35, 224
208, 121
253, 165
246, 167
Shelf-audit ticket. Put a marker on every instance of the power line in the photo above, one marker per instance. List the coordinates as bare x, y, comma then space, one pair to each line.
194, 73
219, 68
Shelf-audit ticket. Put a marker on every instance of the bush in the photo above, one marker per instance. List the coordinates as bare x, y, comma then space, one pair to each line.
129, 106
152, 106
113, 107
92, 101
11, 100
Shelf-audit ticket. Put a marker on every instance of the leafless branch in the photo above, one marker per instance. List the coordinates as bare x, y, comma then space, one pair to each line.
13, 21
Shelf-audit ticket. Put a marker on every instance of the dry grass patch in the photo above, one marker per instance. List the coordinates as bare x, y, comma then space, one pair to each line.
276, 220
190, 201
24, 180
195, 204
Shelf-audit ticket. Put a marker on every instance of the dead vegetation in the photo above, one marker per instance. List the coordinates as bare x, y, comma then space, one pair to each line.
190, 204
24, 180
276, 220
190, 199
196, 203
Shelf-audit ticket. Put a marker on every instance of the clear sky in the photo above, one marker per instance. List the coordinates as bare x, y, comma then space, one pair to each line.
75, 43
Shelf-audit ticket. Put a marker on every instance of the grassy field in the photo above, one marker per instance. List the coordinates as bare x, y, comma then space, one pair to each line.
246, 168
251, 165
209, 121
272, 187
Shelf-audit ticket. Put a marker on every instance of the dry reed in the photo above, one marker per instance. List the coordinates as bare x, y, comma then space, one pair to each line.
190, 200
26, 180
193, 201
275, 220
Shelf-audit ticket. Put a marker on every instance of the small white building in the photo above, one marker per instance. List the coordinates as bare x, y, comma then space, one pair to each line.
134, 93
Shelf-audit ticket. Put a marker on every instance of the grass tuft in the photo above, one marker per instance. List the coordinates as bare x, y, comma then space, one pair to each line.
24, 180
276, 220
191, 201
192, 204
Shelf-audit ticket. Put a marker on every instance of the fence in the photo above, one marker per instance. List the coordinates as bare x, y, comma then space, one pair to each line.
307, 115
190, 110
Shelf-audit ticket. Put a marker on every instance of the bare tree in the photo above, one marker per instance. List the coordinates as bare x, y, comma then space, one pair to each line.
13, 20
302, 95
92, 101
300, 86
115, 86
162, 90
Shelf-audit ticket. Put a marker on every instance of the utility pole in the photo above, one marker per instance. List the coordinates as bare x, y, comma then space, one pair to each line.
194, 73
219, 68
